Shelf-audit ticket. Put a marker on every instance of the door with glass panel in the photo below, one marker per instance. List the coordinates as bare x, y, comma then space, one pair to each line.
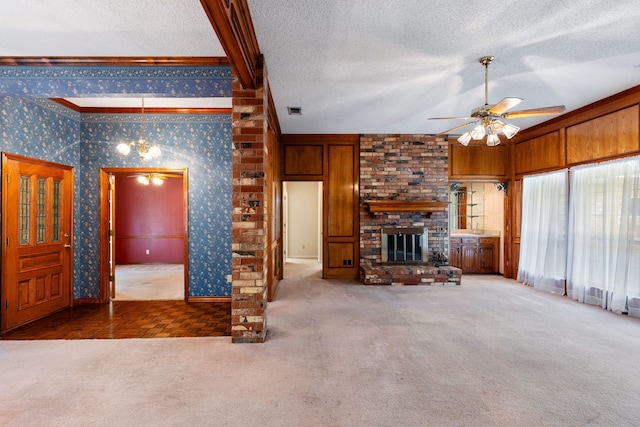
37, 253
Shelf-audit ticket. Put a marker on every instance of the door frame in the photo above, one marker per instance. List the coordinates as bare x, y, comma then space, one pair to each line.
4, 232
105, 250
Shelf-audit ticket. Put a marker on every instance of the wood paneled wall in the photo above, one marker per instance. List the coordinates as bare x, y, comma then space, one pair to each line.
274, 212
332, 159
604, 130
607, 136
539, 153
477, 162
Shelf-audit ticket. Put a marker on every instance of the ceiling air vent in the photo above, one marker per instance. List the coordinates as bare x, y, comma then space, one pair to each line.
295, 111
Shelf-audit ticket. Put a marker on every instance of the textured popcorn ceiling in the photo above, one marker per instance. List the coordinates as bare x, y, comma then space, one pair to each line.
145, 28
379, 66
106, 28
361, 66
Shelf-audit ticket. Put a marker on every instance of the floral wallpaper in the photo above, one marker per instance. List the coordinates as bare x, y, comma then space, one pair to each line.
199, 142
76, 81
41, 129
45, 130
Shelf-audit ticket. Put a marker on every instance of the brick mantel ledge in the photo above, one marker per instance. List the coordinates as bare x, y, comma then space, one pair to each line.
385, 206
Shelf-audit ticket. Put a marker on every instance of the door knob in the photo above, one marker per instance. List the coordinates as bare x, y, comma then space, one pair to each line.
67, 246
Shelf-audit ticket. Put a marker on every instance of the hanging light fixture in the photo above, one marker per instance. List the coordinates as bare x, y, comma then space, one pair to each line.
488, 115
491, 128
150, 178
145, 150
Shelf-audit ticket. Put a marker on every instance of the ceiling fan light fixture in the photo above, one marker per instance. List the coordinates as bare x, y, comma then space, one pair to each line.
465, 138
493, 140
489, 115
478, 132
149, 178
510, 130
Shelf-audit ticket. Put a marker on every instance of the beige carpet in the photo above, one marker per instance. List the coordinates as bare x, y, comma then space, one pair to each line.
490, 352
146, 282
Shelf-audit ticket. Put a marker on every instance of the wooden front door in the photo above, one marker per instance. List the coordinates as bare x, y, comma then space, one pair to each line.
37, 253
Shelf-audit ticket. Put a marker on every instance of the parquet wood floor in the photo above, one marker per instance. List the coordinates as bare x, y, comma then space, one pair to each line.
130, 319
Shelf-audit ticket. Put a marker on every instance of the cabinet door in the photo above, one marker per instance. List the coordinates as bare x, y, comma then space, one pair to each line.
469, 258
341, 255
486, 258
455, 255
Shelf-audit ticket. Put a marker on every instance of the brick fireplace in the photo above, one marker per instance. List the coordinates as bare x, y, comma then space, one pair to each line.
404, 185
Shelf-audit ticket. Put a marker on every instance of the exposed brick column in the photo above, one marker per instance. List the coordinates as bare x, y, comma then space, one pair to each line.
249, 223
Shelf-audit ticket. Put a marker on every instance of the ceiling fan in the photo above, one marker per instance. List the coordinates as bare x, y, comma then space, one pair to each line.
154, 177
488, 115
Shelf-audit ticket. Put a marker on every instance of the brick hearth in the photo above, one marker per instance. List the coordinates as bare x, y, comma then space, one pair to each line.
399, 275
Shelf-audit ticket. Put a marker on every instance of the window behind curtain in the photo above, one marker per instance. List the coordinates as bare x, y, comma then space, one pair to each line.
604, 230
543, 236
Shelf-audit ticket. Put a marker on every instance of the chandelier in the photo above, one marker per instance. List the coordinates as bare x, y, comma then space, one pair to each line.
146, 151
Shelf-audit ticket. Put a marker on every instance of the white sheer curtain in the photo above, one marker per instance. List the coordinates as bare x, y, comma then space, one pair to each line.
604, 229
543, 235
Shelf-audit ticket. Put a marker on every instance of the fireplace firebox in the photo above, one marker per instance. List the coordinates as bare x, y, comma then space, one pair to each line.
404, 245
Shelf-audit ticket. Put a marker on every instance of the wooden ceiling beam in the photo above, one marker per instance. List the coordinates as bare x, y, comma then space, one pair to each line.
231, 21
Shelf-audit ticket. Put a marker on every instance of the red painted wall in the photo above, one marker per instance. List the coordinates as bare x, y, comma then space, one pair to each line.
149, 217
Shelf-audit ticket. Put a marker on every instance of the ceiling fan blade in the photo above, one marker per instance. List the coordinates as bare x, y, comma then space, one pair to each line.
457, 127
504, 105
451, 118
534, 112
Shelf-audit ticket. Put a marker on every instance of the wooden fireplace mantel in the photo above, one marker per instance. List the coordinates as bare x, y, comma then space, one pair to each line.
409, 206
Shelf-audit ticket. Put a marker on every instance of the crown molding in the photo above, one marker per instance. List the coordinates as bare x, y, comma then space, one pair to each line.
181, 61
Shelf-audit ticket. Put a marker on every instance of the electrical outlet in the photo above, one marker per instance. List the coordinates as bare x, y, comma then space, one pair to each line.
147, 252
229, 278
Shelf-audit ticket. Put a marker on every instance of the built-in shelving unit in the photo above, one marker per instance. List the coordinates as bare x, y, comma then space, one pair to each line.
469, 212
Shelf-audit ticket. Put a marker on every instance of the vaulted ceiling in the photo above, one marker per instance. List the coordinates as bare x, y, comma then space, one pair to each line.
366, 66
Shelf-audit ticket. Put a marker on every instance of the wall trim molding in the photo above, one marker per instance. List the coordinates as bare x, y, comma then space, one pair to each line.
181, 61
208, 299
78, 301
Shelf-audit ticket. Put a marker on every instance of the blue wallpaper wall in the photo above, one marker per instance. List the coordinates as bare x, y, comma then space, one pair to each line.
156, 81
201, 143
42, 129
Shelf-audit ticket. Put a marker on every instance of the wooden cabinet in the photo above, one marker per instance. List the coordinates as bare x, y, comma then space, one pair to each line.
488, 257
474, 254
455, 252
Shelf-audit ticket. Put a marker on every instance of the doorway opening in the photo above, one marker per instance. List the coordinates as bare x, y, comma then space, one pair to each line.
302, 219
477, 208
147, 239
